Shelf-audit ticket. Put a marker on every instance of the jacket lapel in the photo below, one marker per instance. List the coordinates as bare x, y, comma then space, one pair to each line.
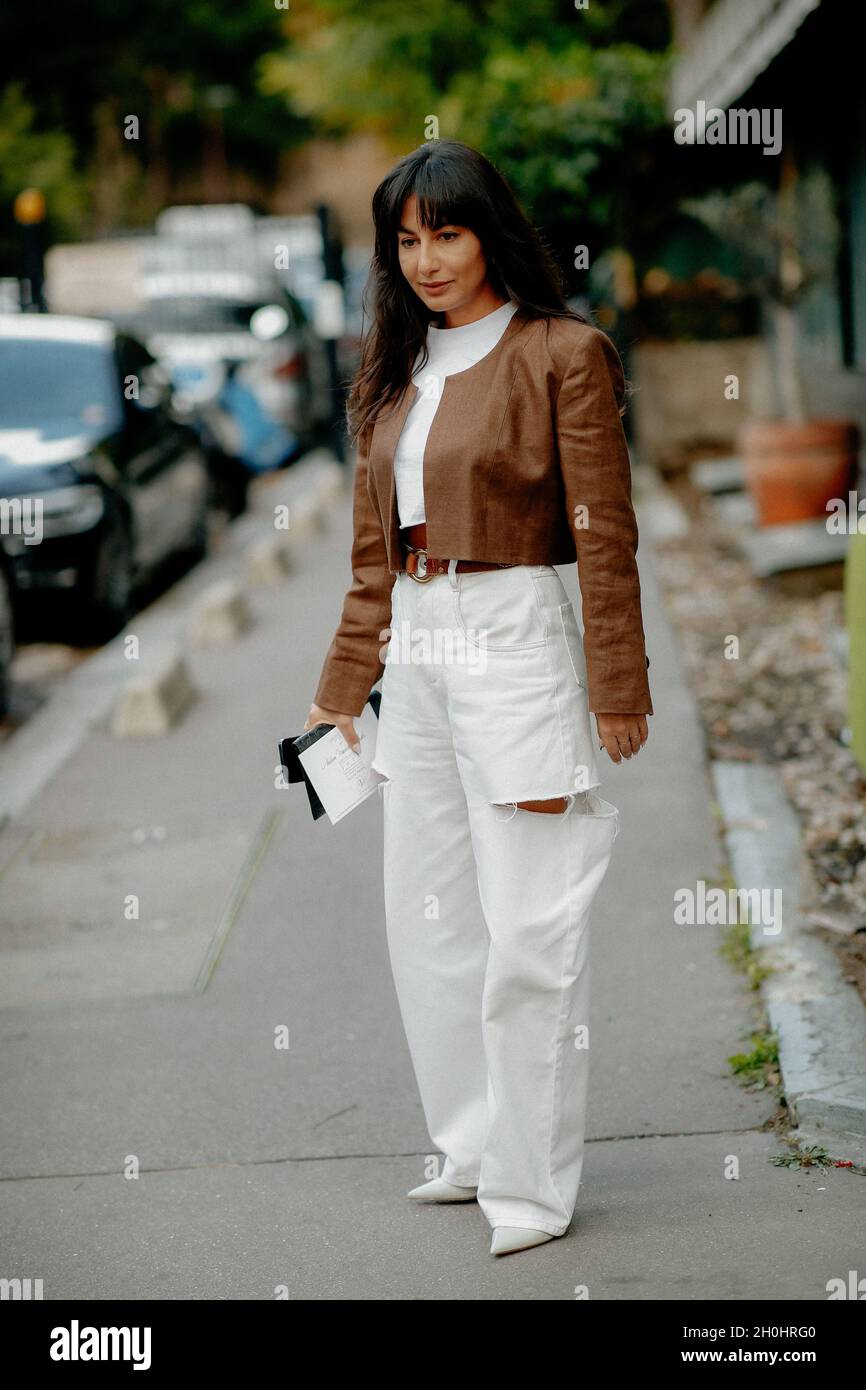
386, 433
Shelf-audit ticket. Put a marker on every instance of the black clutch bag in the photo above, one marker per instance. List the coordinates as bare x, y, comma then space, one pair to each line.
289, 748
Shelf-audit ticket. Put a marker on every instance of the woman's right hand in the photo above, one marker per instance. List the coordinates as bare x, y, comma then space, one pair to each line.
344, 723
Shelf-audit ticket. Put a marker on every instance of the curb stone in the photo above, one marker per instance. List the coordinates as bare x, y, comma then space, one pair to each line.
155, 698
268, 561
221, 614
819, 1018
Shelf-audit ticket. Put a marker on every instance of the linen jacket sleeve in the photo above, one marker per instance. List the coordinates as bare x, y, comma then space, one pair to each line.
596, 472
353, 662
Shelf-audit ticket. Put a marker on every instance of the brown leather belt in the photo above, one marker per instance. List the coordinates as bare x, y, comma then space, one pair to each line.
420, 566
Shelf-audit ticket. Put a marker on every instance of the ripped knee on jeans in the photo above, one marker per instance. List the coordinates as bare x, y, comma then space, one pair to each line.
555, 805
581, 803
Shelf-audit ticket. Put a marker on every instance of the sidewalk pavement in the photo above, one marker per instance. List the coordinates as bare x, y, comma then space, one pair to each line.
148, 1043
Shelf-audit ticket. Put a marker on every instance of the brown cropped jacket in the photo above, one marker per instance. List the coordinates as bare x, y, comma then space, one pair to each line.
526, 462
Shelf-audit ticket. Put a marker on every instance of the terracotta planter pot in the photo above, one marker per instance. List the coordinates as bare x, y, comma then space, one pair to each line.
792, 471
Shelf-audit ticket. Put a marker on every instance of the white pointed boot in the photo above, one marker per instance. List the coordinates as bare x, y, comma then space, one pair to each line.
508, 1239
438, 1190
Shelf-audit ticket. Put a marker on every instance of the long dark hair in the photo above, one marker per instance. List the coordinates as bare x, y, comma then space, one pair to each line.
452, 183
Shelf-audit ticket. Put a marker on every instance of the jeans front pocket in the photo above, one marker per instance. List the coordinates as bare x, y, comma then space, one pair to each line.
496, 610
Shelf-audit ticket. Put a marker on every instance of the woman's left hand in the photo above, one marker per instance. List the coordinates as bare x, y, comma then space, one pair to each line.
622, 735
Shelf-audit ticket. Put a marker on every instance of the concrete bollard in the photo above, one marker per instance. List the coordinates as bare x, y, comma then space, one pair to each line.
307, 517
333, 485
268, 560
221, 614
154, 699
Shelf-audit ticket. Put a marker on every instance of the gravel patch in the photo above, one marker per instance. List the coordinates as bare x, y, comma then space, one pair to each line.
769, 688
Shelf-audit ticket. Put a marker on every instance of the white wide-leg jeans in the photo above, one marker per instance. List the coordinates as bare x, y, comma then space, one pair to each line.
484, 704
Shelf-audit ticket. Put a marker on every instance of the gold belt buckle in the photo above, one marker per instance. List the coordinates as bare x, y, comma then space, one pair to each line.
421, 576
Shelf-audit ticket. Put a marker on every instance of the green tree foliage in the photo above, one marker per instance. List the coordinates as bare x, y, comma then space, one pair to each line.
40, 159
568, 103
84, 65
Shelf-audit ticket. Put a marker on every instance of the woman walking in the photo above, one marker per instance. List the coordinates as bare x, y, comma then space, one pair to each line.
491, 448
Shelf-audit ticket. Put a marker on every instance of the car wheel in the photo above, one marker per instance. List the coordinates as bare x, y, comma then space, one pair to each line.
7, 641
230, 482
199, 538
105, 602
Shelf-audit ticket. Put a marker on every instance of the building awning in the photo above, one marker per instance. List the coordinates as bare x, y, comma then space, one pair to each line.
733, 45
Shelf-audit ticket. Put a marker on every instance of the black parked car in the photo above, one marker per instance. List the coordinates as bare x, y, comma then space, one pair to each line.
102, 484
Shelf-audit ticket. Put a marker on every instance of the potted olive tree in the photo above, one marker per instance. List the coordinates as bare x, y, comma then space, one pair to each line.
787, 244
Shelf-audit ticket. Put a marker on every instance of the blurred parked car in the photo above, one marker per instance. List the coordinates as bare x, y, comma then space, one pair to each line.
197, 221
292, 244
7, 627
245, 366
295, 243
107, 482
357, 266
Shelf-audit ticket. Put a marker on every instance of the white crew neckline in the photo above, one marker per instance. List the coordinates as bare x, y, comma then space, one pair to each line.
467, 329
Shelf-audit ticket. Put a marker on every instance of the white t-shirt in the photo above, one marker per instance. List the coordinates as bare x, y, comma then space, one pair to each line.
450, 350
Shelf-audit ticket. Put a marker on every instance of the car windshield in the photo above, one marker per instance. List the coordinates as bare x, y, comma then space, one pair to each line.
182, 314
43, 381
